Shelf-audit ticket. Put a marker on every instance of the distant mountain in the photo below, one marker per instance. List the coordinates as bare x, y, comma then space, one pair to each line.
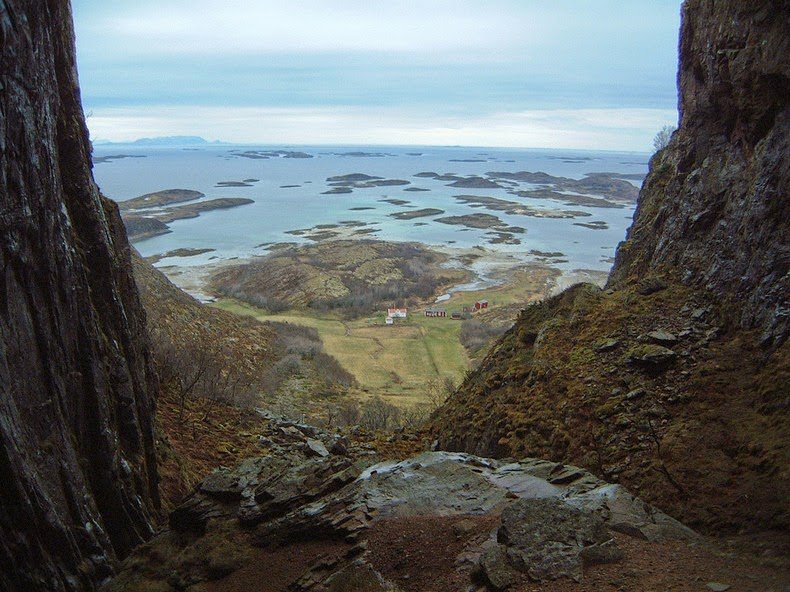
164, 141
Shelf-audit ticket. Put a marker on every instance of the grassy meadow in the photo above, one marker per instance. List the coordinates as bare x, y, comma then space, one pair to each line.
398, 361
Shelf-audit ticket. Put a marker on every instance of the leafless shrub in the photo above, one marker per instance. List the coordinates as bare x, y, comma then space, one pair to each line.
348, 413
414, 417
663, 137
331, 372
476, 335
304, 356
436, 392
378, 415
196, 368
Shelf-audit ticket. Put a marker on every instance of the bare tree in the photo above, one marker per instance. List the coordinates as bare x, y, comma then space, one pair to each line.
437, 390
377, 414
198, 368
663, 137
348, 413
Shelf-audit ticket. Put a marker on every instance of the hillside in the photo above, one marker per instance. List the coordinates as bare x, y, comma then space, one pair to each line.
673, 381
354, 277
210, 364
215, 368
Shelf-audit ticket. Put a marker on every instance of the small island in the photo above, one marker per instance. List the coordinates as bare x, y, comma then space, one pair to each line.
475, 182
610, 186
182, 252
396, 202
411, 214
195, 209
267, 154
112, 157
594, 225
142, 227
162, 198
362, 181
148, 215
337, 191
515, 208
481, 221
233, 184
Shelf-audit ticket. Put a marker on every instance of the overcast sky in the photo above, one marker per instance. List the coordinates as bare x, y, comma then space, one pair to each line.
522, 73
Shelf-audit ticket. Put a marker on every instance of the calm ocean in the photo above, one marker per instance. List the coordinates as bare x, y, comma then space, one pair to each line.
239, 232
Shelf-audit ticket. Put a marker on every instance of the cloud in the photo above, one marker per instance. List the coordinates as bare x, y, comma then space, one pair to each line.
241, 27
605, 129
516, 72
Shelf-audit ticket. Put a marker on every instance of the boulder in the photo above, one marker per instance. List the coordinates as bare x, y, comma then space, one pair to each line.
496, 569
545, 538
607, 345
662, 337
315, 447
651, 356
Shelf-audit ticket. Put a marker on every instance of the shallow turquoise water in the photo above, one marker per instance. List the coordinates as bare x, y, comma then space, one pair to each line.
238, 232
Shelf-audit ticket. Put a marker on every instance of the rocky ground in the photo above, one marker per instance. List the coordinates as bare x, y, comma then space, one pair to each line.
657, 390
320, 511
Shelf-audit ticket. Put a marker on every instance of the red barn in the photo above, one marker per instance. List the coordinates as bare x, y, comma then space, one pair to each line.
480, 304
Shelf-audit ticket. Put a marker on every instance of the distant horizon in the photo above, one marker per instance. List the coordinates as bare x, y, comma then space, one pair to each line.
509, 73
216, 143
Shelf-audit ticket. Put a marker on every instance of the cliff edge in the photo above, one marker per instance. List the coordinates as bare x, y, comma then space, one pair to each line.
715, 205
673, 381
76, 412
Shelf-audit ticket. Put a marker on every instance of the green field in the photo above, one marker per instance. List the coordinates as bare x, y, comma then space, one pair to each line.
394, 361
397, 361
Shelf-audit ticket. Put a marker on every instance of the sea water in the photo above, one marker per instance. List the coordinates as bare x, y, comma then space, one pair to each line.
240, 232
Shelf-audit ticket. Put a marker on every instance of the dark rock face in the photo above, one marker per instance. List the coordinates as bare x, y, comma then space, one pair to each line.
76, 437
715, 205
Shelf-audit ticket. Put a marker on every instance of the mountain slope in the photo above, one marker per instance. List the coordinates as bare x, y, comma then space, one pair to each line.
673, 381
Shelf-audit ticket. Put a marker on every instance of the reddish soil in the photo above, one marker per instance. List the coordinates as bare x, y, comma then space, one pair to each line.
420, 555
274, 570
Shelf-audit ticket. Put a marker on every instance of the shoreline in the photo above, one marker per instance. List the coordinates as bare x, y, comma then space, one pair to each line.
490, 269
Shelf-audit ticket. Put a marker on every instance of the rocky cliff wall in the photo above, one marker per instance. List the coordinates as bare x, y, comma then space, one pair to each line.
716, 204
76, 438
673, 382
